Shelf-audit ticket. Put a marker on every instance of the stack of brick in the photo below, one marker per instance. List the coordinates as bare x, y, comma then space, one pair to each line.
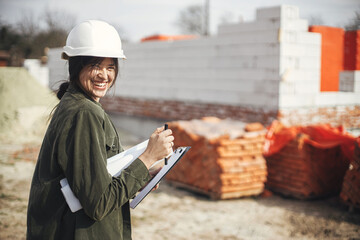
225, 160
304, 167
350, 192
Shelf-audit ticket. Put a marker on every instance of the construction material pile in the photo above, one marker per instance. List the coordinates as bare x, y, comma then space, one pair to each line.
306, 162
350, 192
225, 160
25, 105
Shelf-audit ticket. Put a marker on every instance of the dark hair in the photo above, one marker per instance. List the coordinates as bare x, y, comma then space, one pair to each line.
76, 64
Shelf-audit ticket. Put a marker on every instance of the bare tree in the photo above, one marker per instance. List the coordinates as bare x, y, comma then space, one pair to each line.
58, 20
354, 23
28, 24
31, 35
190, 20
315, 20
194, 19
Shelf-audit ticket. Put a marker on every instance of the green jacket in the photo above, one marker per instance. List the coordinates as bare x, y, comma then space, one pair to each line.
79, 139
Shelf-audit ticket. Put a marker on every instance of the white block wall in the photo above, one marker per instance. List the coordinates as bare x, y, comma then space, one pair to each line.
271, 63
39, 71
58, 68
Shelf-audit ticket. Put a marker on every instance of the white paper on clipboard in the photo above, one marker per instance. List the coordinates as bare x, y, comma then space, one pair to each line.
115, 165
175, 157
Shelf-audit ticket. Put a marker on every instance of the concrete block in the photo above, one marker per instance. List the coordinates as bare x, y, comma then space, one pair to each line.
250, 74
268, 62
58, 69
299, 25
286, 88
39, 71
302, 81
295, 49
268, 36
264, 25
289, 100
233, 62
301, 63
249, 49
266, 87
283, 12
246, 27
336, 98
306, 88
297, 88
286, 36
349, 81
307, 63
298, 75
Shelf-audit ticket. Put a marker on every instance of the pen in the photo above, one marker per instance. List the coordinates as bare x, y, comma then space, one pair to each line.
166, 127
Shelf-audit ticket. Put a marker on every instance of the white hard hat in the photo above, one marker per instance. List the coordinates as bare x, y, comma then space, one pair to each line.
93, 38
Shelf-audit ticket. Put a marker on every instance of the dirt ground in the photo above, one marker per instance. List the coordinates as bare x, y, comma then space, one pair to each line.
173, 213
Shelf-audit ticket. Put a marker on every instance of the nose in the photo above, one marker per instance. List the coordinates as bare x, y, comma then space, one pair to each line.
103, 73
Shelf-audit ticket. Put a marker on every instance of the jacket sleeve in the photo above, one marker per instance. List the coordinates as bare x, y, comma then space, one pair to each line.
82, 156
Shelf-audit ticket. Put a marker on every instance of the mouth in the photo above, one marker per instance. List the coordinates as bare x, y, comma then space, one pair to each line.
100, 85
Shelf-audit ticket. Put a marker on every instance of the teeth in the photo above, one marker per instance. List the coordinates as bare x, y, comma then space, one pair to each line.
100, 84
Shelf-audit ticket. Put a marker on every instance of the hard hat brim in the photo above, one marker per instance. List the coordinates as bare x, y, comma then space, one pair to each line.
66, 56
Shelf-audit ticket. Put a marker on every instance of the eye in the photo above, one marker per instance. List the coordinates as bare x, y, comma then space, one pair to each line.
111, 68
95, 66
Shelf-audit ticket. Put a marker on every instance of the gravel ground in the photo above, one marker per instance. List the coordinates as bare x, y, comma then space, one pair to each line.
174, 213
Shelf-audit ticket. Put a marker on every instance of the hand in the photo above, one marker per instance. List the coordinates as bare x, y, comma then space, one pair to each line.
159, 146
153, 171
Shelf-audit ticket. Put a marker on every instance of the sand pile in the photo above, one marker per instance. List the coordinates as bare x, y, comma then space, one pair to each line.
25, 106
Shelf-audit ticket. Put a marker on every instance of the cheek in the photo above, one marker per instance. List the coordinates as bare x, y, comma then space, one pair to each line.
85, 79
112, 77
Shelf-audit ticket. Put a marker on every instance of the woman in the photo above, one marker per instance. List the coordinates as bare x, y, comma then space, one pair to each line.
79, 139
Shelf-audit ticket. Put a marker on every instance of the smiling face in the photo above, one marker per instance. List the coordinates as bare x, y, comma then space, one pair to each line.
96, 79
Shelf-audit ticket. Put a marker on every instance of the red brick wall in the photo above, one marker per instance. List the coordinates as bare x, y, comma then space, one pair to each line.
176, 110
349, 116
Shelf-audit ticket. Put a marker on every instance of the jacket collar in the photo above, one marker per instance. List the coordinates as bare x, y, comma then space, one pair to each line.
78, 93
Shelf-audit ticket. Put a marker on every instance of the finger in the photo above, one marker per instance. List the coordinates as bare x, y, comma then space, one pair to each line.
156, 187
160, 129
170, 150
170, 138
166, 133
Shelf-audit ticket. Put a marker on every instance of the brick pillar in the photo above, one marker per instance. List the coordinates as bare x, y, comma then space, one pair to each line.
332, 56
352, 50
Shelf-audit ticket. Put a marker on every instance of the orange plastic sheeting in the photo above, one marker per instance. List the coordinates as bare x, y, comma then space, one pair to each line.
167, 37
332, 56
320, 136
352, 50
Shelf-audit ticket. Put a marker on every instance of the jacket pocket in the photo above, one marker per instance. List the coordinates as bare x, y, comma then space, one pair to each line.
112, 146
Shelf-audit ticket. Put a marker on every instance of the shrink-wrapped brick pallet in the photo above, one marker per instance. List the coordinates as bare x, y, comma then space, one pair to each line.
225, 160
311, 163
350, 192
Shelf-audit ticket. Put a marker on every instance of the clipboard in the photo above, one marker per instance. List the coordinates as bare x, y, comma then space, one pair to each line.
175, 157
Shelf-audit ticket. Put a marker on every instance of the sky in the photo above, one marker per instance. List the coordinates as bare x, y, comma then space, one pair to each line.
141, 18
